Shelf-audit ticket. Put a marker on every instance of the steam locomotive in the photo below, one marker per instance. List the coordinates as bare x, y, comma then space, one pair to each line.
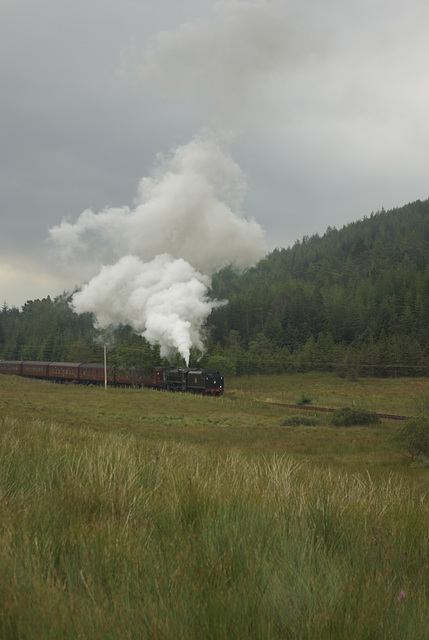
186, 379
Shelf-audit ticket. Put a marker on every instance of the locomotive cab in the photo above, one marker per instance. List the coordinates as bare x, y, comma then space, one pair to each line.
205, 381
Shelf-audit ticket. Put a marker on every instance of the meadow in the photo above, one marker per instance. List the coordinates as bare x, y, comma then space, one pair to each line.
141, 514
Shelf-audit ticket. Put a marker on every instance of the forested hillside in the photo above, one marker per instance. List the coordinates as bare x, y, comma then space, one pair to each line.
355, 300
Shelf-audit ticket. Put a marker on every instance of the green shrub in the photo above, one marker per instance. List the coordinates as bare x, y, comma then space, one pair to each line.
221, 363
299, 421
351, 416
304, 399
413, 436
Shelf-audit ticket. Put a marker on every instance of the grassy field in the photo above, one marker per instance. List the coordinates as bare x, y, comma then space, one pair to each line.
139, 514
395, 396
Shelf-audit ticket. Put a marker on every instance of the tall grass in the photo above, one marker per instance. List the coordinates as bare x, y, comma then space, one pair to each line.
104, 535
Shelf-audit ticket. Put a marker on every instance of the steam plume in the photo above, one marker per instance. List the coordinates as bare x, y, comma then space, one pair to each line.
186, 224
187, 220
190, 208
164, 300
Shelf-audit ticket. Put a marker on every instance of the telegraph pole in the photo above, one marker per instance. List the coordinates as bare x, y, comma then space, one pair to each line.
105, 368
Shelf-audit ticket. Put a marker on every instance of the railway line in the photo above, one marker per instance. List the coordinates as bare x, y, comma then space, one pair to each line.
299, 407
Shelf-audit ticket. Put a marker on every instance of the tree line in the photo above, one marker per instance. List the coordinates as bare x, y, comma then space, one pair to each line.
48, 330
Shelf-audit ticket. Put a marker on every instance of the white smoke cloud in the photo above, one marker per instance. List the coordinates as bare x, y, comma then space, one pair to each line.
185, 225
187, 219
190, 209
164, 300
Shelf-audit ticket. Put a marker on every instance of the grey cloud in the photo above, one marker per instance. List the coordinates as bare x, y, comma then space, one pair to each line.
329, 102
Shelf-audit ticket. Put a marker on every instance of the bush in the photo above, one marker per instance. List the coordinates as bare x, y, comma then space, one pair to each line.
350, 416
304, 400
222, 364
299, 421
413, 436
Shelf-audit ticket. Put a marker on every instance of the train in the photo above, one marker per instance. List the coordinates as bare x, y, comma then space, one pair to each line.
208, 382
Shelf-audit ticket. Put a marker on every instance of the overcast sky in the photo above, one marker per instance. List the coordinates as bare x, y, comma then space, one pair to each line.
320, 110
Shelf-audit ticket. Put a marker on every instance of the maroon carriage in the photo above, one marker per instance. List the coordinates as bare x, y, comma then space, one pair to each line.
64, 371
135, 377
94, 373
11, 367
33, 369
151, 378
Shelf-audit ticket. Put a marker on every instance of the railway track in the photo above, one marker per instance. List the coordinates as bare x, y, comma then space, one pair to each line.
300, 407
